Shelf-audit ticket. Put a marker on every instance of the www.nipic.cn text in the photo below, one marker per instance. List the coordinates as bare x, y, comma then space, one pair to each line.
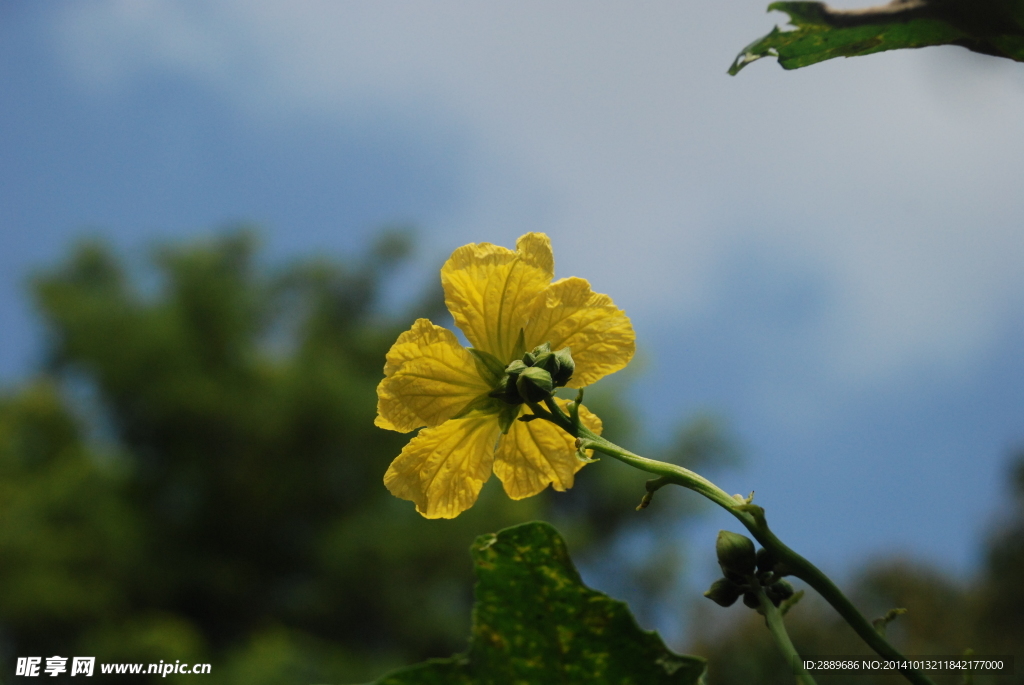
31, 666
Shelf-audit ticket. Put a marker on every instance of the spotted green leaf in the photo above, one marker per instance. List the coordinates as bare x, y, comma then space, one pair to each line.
992, 27
535, 622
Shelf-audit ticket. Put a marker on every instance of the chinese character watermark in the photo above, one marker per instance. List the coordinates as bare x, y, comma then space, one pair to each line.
83, 665
28, 665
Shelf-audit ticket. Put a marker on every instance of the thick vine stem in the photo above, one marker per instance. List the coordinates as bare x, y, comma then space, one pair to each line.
773, 617
753, 519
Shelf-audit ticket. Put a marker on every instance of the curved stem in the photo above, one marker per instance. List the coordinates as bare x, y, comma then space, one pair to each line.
773, 617
753, 519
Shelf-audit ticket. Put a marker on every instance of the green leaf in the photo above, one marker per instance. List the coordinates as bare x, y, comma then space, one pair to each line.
535, 622
991, 27
490, 368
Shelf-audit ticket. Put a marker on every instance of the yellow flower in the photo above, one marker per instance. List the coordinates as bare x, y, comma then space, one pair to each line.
505, 303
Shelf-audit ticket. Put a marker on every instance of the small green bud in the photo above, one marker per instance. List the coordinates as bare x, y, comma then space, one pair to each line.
765, 560
537, 355
546, 361
515, 368
724, 592
768, 562
564, 367
735, 555
751, 600
534, 384
559, 364
779, 591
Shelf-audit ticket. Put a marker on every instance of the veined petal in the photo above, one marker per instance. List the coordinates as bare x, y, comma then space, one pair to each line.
442, 469
598, 334
491, 290
537, 453
429, 378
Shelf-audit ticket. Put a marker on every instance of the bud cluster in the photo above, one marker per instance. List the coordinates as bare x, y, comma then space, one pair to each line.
533, 378
741, 568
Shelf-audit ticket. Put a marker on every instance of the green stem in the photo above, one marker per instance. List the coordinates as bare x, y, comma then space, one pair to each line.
773, 617
753, 519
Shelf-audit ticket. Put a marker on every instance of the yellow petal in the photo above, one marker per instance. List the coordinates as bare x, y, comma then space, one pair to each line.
429, 378
491, 290
598, 334
537, 453
442, 469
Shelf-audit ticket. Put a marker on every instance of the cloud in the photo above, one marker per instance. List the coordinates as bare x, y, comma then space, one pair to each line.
613, 127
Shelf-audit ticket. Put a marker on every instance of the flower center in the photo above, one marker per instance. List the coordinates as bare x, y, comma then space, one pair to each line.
533, 378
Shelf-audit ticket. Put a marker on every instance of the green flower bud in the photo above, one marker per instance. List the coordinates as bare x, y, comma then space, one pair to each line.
735, 555
751, 600
724, 592
559, 364
564, 367
515, 368
779, 592
539, 354
534, 384
765, 560
506, 389
535, 376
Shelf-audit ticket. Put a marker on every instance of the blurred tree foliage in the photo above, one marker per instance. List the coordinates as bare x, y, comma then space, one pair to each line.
196, 474
944, 616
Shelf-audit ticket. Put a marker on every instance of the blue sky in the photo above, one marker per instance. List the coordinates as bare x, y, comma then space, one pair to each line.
829, 258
